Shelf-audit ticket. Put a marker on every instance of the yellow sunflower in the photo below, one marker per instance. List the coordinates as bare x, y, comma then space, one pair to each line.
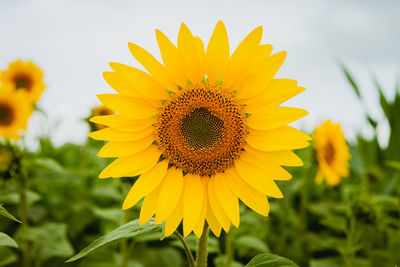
15, 110
332, 153
100, 111
203, 129
24, 76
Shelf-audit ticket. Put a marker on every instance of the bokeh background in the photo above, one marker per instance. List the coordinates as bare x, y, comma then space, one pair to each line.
73, 41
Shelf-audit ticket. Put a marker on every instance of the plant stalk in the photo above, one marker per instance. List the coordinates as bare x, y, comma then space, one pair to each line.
187, 249
23, 210
201, 258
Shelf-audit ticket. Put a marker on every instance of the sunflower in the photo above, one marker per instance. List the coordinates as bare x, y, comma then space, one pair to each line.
100, 111
24, 76
332, 153
203, 129
15, 110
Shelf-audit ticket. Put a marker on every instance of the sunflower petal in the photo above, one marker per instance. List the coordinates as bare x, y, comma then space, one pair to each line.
198, 228
134, 108
227, 199
132, 165
172, 59
219, 212
212, 221
145, 184
192, 202
281, 138
149, 206
170, 193
120, 149
119, 85
187, 47
270, 118
250, 196
217, 54
115, 135
155, 68
122, 123
174, 219
143, 84
257, 178
282, 157
241, 57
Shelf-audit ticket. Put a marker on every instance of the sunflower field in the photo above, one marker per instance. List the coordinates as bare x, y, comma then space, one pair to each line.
193, 161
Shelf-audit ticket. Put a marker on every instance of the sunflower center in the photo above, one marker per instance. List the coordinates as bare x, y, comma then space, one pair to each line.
6, 115
22, 82
329, 152
201, 129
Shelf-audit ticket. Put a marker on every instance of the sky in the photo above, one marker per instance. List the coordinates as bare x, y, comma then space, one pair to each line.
73, 42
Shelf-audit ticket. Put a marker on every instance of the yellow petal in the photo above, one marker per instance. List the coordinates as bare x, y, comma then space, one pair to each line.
212, 220
149, 206
187, 47
174, 219
257, 178
170, 193
115, 135
134, 108
143, 84
269, 168
229, 202
277, 92
145, 184
120, 149
270, 118
119, 85
241, 57
218, 211
282, 157
172, 59
217, 54
132, 165
198, 228
192, 201
250, 196
281, 138
265, 73
122, 123
155, 68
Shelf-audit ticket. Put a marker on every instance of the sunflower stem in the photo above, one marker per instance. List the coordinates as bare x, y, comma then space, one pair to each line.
187, 249
201, 258
229, 250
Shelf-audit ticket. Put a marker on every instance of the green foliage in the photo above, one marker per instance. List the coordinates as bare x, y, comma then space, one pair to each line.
128, 230
270, 260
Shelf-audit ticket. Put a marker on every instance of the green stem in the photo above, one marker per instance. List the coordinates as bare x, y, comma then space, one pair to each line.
202, 248
229, 248
187, 249
23, 210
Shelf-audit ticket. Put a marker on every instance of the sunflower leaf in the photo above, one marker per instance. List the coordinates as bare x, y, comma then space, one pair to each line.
5, 240
127, 230
351, 80
5, 213
270, 260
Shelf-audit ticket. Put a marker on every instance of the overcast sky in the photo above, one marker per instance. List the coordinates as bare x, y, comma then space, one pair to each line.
73, 41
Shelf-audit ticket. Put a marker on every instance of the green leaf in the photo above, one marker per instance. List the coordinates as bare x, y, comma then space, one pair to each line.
248, 243
7, 256
50, 240
270, 260
351, 80
221, 261
394, 164
335, 223
48, 164
5, 213
128, 230
5, 240
13, 198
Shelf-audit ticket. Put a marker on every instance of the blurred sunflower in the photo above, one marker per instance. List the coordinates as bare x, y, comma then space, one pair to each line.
202, 130
15, 110
24, 76
100, 111
332, 153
